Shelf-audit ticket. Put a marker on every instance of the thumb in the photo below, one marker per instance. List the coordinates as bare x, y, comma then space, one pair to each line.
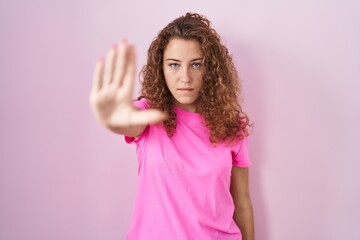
146, 117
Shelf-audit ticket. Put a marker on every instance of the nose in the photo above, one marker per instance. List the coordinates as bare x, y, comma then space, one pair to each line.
185, 75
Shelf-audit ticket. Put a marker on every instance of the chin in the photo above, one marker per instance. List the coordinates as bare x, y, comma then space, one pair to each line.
186, 101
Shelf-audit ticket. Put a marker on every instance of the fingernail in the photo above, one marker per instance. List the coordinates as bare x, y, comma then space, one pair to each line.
101, 59
114, 46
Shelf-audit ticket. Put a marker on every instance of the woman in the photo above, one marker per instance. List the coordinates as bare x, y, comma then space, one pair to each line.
189, 130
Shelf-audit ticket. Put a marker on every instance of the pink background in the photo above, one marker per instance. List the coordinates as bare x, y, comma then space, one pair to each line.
63, 176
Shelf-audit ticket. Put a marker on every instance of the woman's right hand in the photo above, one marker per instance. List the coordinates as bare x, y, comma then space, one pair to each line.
112, 93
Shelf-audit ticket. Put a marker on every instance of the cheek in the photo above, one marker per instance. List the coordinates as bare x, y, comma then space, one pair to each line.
199, 80
166, 77
170, 78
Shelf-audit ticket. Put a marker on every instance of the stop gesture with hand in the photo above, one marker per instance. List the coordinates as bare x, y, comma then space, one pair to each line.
112, 93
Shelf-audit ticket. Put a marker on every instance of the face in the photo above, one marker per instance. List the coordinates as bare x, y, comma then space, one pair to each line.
183, 71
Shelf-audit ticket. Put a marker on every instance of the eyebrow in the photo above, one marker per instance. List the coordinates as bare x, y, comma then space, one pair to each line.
176, 60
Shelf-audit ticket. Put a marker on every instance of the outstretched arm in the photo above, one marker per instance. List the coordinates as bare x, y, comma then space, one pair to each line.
112, 91
243, 214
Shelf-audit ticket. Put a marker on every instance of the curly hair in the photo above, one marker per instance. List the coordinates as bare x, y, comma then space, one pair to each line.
218, 100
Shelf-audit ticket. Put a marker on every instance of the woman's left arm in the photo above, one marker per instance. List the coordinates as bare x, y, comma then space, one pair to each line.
243, 214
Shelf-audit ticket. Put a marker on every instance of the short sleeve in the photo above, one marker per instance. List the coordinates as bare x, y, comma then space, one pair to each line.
141, 104
241, 158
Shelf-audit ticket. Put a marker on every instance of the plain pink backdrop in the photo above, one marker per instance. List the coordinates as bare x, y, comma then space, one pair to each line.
63, 176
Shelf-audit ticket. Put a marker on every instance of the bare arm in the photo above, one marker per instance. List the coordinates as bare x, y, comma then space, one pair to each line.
112, 90
243, 214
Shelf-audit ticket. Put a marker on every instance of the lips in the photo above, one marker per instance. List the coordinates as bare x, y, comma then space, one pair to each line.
185, 89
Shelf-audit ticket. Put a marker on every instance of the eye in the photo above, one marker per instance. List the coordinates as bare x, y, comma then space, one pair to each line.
196, 65
174, 65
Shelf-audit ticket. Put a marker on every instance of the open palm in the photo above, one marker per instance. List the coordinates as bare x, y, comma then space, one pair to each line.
112, 91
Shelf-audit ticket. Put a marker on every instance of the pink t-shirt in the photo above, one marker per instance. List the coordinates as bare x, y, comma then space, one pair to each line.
183, 190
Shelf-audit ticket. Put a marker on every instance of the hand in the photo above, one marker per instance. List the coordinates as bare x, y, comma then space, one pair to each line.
112, 91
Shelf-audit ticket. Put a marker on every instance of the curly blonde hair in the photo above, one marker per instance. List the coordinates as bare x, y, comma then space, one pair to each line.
218, 101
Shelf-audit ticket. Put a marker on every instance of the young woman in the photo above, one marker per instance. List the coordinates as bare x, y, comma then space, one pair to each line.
189, 130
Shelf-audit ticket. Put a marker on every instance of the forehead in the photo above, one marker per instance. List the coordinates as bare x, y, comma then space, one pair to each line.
182, 49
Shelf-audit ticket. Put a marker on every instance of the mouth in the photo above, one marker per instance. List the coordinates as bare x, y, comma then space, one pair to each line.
185, 89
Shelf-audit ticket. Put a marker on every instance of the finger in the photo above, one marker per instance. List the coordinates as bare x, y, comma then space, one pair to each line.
145, 117
109, 66
120, 63
130, 70
97, 77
